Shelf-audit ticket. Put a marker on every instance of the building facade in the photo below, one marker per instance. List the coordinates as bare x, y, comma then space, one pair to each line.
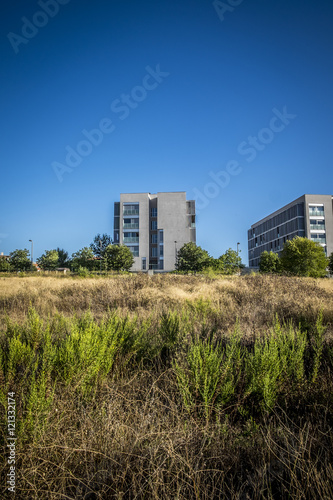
309, 216
154, 227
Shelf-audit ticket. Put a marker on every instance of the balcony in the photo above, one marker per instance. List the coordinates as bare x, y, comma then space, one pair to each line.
318, 227
131, 239
131, 211
131, 225
322, 241
316, 213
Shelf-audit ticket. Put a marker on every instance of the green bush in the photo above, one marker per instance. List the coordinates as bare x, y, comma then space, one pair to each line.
83, 272
209, 374
303, 257
269, 263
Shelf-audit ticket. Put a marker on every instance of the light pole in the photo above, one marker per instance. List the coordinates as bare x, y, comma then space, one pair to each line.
175, 252
32, 257
237, 247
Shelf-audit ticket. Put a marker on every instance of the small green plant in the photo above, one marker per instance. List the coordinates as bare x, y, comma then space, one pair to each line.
277, 361
317, 346
83, 272
169, 333
209, 376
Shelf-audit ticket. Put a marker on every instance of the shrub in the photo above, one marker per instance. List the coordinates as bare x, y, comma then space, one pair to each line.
118, 258
229, 263
209, 375
83, 272
330, 263
19, 260
303, 257
49, 260
192, 258
4, 264
269, 263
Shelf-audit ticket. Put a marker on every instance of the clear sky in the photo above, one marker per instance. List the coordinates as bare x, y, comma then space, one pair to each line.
229, 101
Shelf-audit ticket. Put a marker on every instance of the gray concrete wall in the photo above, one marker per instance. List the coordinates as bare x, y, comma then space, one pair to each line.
172, 218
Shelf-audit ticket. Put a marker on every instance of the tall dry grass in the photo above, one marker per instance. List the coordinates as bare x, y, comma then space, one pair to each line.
254, 300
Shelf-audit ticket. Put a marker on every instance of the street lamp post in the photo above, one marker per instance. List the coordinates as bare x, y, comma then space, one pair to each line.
237, 247
32, 257
175, 252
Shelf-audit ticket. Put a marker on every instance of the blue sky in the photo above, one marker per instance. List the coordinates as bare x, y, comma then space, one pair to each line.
181, 91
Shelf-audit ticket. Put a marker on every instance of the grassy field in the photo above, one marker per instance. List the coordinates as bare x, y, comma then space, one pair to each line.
137, 387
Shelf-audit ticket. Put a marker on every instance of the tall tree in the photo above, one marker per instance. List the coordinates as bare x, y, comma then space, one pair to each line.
303, 257
49, 260
192, 258
100, 244
230, 262
118, 258
83, 258
63, 260
19, 260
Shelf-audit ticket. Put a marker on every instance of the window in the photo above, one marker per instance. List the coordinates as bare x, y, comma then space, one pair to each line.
154, 239
153, 225
319, 238
144, 263
161, 236
161, 250
131, 209
131, 237
131, 223
316, 210
153, 212
154, 252
134, 250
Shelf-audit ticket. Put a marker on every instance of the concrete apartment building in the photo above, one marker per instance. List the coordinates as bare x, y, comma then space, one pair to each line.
154, 227
309, 216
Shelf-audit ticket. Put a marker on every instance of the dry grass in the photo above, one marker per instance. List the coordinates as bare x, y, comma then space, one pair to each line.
133, 438
254, 300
